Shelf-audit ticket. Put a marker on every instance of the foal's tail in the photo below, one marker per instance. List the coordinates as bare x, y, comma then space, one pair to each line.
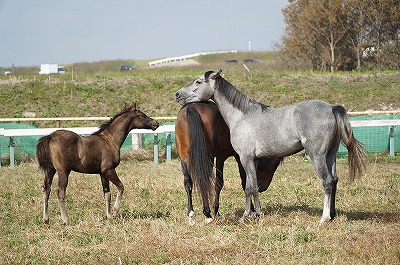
201, 160
357, 154
43, 153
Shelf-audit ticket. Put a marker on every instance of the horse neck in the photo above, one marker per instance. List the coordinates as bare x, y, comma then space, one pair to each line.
117, 131
231, 102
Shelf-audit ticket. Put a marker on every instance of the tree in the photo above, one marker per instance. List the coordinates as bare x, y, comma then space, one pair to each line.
342, 34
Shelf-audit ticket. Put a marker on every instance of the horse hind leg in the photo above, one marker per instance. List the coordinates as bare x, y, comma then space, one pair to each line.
61, 192
219, 184
188, 183
46, 188
328, 178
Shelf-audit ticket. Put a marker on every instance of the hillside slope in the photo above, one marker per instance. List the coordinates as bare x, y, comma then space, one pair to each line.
105, 95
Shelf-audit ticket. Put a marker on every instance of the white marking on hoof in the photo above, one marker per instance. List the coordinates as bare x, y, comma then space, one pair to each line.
208, 220
323, 220
191, 220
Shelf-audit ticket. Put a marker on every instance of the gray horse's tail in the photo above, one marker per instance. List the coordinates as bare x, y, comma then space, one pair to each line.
201, 160
357, 154
43, 155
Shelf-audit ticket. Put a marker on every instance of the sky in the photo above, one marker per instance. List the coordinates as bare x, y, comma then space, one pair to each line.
65, 32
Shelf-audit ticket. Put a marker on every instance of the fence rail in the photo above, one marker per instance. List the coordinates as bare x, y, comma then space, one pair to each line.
11, 133
171, 118
185, 57
168, 129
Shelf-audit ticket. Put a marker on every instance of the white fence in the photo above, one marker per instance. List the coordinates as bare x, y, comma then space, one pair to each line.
185, 57
11, 133
168, 129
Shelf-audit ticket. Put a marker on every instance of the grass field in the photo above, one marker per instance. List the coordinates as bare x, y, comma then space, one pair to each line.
153, 229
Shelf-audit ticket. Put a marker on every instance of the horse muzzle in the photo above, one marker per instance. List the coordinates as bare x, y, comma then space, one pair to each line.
184, 98
154, 125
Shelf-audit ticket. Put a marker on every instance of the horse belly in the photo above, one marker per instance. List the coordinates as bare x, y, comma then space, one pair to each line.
277, 148
267, 140
93, 158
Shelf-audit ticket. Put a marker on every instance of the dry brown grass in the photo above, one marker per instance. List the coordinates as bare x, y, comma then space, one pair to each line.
153, 226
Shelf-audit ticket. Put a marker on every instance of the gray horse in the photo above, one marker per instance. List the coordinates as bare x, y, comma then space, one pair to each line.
259, 131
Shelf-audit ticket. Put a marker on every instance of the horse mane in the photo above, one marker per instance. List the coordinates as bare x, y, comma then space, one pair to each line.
234, 95
107, 124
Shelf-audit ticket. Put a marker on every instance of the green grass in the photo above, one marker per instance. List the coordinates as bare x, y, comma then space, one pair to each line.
105, 94
153, 228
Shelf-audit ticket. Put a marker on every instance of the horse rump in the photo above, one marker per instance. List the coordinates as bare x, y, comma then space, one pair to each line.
43, 155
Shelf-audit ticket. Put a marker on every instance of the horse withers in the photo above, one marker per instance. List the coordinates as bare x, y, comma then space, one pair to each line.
201, 136
259, 131
64, 151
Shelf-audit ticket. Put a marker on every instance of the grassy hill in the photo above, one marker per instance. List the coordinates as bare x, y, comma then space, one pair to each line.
93, 89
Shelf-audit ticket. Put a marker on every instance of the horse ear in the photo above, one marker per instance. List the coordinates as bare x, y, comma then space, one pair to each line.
216, 74
134, 105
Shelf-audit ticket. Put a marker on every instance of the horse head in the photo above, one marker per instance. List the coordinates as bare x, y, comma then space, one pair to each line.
201, 89
141, 120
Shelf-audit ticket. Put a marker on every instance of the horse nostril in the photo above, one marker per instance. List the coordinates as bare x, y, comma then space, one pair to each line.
177, 94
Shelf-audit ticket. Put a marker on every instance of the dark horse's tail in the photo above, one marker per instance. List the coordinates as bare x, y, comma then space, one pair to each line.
201, 160
43, 153
356, 152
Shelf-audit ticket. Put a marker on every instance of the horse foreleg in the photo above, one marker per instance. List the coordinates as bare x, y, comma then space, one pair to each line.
242, 174
118, 199
46, 188
111, 175
62, 187
107, 198
251, 189
107, 195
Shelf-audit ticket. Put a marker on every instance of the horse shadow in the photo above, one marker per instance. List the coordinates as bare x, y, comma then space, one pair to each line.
143, 214
286, 210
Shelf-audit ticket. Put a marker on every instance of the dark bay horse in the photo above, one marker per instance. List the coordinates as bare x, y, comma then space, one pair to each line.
259, 131
64, 151
201, 135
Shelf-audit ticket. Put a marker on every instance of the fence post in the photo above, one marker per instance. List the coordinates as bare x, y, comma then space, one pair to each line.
168, 146
136, 139
155, 148
11, 145
391, 140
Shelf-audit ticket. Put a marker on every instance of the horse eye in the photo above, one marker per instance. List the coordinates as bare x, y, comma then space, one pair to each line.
198, 82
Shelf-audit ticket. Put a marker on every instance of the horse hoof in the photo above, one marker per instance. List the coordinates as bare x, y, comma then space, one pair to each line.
324, 220
208, 220
46, 221
115, 214
191, 221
